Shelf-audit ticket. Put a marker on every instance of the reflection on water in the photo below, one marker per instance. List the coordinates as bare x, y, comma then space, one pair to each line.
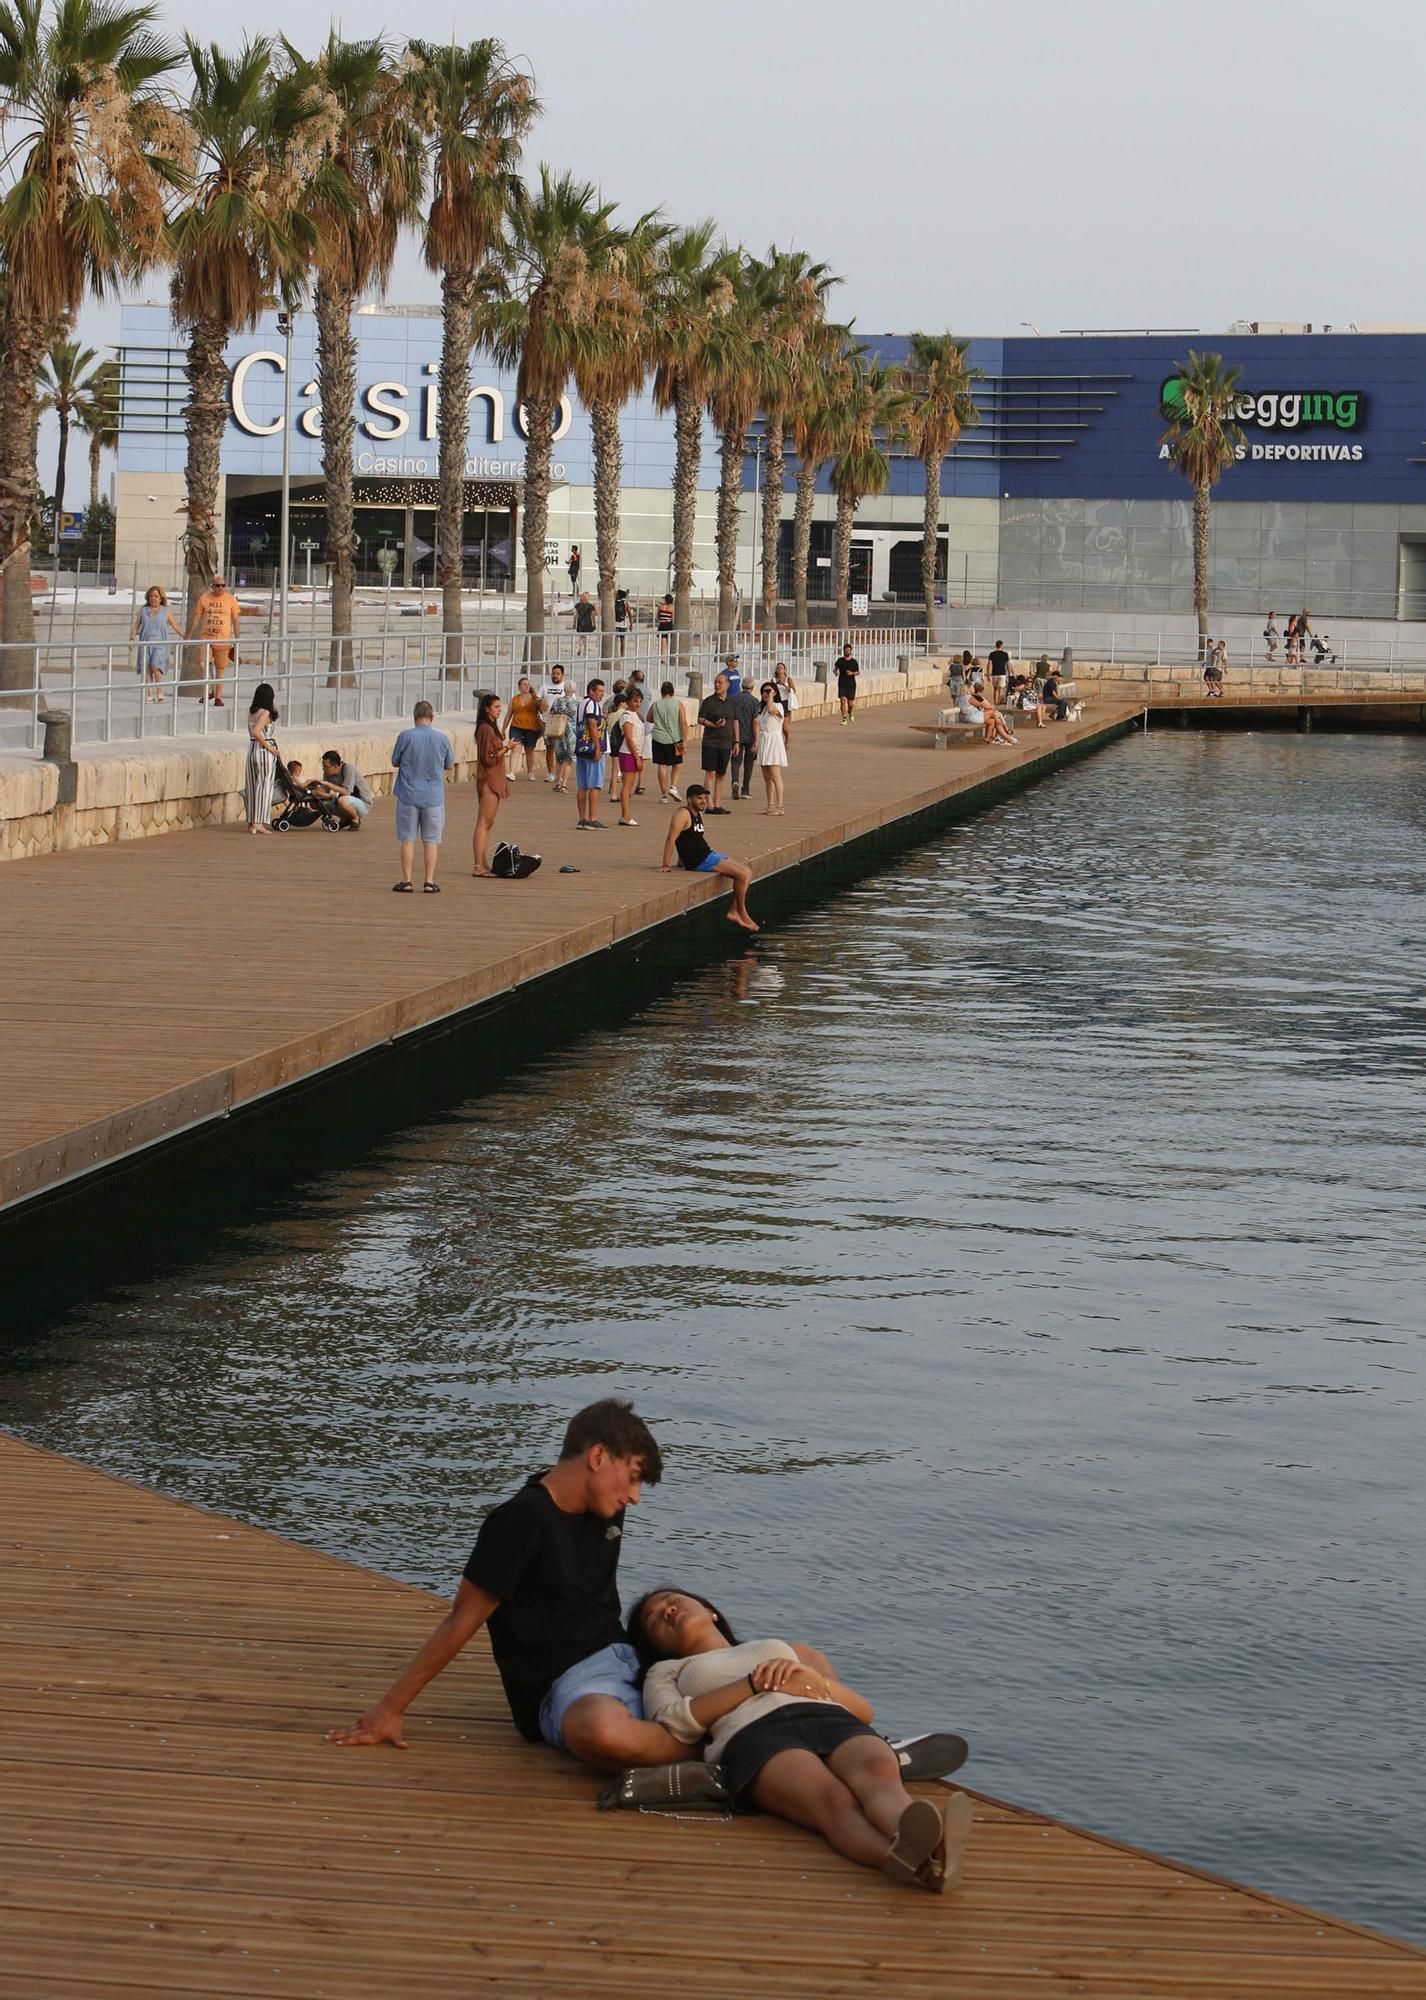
1019, 1258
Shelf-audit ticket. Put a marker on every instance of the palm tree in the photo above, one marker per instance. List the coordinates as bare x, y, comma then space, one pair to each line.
818, 419
245, 229
873, 410
88, 150
379, 164
64, 378
97, 415
1199, 407
693, 290
559, 241
473, 107
794, 292
737, 369
611, 365
937, 383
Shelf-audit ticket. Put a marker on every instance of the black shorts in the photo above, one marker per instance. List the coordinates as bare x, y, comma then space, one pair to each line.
846, 690
715, 760
818, 1726
528, 738
668, 753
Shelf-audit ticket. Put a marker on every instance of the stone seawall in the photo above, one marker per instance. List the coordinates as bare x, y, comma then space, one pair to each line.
130, 791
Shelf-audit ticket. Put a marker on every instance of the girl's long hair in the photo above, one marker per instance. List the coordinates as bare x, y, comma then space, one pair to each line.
639, 1638
482, 714
263, 697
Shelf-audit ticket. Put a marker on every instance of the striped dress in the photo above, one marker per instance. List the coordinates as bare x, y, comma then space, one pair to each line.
260, 778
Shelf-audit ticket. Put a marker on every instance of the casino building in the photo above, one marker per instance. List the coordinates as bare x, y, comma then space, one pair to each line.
1059, 496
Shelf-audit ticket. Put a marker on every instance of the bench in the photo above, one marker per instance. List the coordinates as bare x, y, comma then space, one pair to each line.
950, 729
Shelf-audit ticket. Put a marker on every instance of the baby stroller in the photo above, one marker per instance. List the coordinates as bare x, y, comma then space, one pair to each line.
1322, 649
302, 807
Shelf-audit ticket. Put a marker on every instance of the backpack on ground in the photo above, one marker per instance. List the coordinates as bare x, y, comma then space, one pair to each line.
510, 864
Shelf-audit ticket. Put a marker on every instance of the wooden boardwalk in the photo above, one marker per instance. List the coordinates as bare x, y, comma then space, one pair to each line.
155, 985
173, 1823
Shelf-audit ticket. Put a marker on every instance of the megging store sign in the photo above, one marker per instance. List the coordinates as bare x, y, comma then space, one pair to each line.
1289, 410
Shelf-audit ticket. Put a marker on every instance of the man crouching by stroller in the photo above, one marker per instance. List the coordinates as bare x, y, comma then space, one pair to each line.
344, 784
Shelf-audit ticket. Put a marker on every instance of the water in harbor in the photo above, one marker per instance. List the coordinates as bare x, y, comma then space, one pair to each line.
1020, 1257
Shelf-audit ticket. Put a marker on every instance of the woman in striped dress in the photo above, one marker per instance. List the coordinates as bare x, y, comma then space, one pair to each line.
261, 774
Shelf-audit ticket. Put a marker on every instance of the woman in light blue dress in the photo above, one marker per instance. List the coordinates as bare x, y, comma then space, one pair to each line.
151, 628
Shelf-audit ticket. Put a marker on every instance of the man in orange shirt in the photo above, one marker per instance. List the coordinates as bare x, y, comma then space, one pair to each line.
219, 614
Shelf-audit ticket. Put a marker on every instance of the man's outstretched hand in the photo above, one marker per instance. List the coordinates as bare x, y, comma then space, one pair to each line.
378, 1725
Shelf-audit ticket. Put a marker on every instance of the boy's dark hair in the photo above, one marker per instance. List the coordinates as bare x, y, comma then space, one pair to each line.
595, 683
623, 1434
666, 689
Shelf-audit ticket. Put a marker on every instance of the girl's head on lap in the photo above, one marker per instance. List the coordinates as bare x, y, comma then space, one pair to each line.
669, 1624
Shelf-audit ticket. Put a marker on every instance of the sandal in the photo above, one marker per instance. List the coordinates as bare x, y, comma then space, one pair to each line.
430, 888
919, 1832
401, 889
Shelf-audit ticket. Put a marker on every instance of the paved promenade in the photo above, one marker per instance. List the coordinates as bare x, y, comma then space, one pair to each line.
157, 984
173, 1823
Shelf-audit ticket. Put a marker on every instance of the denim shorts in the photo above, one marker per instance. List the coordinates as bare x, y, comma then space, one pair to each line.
589, 773
709, 863
613, 1671
361, 807
419, 822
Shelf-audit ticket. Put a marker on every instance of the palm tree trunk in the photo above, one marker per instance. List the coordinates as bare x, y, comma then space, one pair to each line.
19, 489
62, 416
688, 453
842, 559
336, 381
540, 430
732, 451
1200, 565
453, 425
94, 450
930, 522
802, 541
205, 416
772, 516
608, 475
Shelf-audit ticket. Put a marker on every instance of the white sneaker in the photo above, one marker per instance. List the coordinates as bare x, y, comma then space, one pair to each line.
628, 822
673, 793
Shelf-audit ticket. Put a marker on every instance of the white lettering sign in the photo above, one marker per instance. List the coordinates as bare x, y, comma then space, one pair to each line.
386, 416
244, 368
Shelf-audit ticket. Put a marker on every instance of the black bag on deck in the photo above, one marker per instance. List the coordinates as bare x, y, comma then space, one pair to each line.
510, 864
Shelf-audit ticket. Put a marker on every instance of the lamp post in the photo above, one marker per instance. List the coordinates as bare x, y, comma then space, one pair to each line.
757, 537
284, 327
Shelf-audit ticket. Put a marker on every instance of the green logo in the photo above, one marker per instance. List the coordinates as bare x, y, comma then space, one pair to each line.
1280, 409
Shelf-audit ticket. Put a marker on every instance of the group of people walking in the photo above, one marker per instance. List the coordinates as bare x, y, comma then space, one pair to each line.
1296, 639
217, 615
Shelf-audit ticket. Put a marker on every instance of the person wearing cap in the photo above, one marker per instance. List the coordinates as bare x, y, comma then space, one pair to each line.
220, 615
734, 674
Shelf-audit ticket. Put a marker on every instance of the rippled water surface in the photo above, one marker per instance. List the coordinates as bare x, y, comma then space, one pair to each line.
1020, 1257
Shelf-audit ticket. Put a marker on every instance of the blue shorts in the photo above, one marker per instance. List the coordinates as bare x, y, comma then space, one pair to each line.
613, 1671
361, 807
589, 773
709, 863
419, 822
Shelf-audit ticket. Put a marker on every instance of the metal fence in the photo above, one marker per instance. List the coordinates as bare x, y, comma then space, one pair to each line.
383, 676
1029, 638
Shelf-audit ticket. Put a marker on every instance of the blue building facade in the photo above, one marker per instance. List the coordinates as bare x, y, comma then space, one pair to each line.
1060, 494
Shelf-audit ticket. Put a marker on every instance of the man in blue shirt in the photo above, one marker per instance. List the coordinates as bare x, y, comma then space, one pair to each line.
422, 756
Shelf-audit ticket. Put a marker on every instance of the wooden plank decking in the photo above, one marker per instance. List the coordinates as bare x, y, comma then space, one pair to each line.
155, 985
173, 1823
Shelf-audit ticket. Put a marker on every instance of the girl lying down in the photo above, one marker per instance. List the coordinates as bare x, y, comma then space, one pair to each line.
792, 1740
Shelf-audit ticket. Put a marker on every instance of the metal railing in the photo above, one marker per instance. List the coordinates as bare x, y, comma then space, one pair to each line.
1028, 639
383, 676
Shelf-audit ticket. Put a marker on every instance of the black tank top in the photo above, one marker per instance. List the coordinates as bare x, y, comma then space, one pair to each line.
692, 847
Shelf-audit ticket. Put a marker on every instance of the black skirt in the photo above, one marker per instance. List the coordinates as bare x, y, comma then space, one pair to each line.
818, 1726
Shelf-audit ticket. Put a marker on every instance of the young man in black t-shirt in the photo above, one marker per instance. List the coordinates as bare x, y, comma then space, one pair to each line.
847, 671
543, 1576
715, 719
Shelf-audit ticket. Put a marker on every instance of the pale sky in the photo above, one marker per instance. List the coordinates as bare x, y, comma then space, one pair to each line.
1111, 163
